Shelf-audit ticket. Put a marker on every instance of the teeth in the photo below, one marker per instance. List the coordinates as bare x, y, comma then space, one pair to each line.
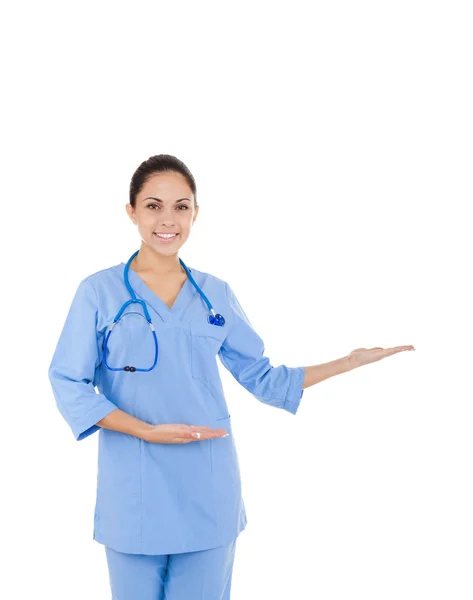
166, 235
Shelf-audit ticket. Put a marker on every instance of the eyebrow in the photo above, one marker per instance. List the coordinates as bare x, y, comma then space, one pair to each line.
159, 199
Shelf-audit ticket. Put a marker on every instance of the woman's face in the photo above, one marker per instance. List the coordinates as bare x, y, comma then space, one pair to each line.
165, 204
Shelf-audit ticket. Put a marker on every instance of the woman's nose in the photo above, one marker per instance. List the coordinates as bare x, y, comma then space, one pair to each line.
167, 217
167, 223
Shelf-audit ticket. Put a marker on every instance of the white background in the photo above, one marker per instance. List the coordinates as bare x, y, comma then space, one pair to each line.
332, 148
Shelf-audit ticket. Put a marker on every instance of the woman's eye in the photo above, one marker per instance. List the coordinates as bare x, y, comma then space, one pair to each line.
157, 206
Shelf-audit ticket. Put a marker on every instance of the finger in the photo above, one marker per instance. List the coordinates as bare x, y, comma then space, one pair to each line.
388, 352
204, 430
402, 348
200, 427
216, 433
221, 433
395, 350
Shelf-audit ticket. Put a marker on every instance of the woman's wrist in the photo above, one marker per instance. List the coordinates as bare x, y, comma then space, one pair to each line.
143, 431
121, 421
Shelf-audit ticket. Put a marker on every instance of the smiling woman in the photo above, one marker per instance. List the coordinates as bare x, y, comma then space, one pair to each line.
168, 484
163, 205
169, 505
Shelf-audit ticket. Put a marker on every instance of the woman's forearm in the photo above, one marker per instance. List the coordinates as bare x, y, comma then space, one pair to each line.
316, 373
119, 420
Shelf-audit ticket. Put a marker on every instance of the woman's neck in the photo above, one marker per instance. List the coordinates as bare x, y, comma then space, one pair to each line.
147, 260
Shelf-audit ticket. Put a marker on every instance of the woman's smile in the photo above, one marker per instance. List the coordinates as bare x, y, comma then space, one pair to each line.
166, 238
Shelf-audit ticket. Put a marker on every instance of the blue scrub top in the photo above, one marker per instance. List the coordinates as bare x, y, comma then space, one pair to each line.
163, 498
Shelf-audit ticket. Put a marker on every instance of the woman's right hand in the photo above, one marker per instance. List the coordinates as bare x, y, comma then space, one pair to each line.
169, 433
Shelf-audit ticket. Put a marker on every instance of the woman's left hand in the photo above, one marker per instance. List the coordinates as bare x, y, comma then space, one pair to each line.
364, 356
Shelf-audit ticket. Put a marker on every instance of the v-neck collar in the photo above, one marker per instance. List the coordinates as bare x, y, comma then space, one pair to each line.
185, 295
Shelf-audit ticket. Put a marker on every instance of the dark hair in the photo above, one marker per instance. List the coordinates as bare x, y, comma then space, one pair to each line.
160, 163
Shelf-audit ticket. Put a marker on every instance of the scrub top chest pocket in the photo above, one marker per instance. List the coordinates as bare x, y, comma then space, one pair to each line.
206, 340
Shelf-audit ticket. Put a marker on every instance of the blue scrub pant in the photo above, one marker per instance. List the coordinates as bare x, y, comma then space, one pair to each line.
201, 575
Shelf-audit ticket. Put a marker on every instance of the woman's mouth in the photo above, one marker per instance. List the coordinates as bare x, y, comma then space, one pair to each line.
165, 238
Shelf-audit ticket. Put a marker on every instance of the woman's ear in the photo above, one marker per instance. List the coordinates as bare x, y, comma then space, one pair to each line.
131, 212
195, 214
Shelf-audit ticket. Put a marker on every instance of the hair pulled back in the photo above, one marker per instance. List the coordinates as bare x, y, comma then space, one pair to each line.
160, 163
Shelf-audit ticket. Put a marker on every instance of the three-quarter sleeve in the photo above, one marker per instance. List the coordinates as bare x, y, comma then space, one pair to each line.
242, 353
74, 367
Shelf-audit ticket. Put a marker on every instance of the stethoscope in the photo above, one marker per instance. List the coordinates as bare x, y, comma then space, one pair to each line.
214, 319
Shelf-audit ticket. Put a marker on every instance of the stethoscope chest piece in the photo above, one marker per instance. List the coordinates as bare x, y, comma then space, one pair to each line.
216, 319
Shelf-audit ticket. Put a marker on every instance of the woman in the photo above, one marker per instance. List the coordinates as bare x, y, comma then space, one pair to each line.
146, 333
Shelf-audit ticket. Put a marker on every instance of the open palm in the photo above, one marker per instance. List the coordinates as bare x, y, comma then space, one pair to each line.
364, 356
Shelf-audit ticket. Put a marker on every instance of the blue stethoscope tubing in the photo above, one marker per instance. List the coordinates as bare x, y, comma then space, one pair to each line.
214, 319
